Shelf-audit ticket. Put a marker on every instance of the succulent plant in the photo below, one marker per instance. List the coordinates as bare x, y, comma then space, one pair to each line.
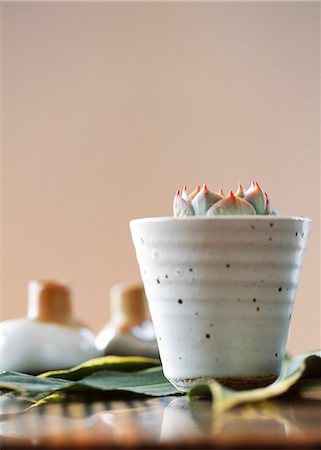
203, 202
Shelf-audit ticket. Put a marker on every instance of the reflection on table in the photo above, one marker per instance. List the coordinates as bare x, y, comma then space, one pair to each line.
162, 422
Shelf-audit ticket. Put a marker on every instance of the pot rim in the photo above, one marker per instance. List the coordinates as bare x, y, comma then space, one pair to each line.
222, 218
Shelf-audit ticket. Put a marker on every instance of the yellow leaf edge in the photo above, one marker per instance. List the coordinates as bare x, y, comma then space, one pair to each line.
103, 362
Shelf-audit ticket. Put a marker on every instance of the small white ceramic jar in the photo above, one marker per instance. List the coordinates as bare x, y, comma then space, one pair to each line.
129, 331
221, 291
49, 338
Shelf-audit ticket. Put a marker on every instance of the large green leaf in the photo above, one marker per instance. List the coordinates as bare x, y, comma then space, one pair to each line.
102, 374
298, 374
146, 382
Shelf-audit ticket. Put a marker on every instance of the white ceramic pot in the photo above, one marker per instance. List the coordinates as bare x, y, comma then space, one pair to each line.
221, 291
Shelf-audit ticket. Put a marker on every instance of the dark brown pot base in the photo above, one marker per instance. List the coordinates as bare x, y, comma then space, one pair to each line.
236, 383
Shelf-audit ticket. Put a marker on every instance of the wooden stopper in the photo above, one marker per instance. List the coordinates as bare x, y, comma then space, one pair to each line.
127, 306
49, 301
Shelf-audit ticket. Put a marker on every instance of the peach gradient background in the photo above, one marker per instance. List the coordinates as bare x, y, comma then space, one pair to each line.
109, 107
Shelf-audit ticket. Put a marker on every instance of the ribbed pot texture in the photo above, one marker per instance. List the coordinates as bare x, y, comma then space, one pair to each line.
220, 293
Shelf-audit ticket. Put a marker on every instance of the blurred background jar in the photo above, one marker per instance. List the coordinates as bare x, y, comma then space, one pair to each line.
49, 337
130, 331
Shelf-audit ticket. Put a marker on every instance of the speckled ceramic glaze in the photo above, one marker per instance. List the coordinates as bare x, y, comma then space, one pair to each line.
221, 292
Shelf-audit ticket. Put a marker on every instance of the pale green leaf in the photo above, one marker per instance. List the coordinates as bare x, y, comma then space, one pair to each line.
297, 374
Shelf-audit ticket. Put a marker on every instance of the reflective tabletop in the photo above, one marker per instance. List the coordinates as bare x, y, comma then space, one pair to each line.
164, 422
